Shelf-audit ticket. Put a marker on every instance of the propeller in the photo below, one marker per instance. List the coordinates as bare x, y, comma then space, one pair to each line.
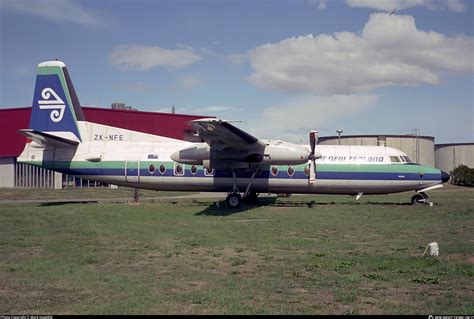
313, 139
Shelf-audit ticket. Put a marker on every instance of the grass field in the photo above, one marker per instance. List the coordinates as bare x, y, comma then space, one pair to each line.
123, 193
189, 257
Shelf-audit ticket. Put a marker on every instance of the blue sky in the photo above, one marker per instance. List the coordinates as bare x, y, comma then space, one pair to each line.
282, 67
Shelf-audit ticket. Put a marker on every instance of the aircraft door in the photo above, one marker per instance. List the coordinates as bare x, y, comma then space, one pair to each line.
132, 172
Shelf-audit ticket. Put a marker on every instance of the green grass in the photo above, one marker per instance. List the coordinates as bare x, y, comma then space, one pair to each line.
188, 257
79, 193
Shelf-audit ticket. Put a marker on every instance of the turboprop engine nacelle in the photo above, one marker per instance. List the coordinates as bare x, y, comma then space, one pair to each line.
273, 153
285, 153
194, 155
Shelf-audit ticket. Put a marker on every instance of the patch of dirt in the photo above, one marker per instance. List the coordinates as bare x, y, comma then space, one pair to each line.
26, 297
183, 286
463, 258
318, 298
252, 220
24, 253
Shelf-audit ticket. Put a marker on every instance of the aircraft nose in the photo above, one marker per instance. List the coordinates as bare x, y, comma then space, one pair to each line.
444, 177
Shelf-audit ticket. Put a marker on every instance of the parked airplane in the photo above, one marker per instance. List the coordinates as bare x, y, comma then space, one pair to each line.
229, 159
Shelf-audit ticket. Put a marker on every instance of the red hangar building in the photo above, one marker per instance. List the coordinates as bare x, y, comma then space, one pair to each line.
13, 174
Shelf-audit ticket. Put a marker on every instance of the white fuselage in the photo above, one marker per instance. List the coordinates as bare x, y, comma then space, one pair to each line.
123, 157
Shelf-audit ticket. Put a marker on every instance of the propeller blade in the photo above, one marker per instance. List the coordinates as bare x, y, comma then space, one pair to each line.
313, 139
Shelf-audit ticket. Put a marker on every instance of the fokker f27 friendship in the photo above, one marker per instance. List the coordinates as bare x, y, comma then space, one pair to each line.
229, 160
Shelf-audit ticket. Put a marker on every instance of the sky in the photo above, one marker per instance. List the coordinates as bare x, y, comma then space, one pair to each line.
279, 68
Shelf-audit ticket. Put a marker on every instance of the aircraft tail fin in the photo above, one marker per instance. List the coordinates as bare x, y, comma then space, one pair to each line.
55, 109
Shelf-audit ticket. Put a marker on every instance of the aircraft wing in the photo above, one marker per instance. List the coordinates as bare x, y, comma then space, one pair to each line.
230, 147
221, 134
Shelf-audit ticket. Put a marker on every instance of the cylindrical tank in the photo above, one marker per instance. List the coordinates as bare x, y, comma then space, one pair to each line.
448, 156
420, 149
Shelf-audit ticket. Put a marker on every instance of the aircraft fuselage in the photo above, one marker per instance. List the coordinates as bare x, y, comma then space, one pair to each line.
117, 156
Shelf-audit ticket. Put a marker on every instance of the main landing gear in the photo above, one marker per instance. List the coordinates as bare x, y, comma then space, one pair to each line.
234, 199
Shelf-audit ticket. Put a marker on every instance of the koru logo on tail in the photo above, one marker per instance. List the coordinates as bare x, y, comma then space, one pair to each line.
52, 102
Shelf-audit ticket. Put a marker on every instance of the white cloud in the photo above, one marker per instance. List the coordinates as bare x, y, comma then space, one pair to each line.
390, 50
294, 119
389, 5
143, 58
56, 10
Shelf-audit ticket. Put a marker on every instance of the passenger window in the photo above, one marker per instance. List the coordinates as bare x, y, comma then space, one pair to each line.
178, 169
291, 171
394, 159
194, 169
162, 169
151, 169
274, 170
208, 172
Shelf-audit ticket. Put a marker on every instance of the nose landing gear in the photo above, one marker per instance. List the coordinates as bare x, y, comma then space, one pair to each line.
420, 198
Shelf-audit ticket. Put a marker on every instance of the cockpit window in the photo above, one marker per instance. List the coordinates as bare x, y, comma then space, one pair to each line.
394, 159
407, 159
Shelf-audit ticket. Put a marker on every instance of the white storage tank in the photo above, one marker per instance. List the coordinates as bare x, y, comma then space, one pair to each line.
448, 156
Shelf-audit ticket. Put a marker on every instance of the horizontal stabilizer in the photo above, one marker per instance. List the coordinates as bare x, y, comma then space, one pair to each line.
48, 139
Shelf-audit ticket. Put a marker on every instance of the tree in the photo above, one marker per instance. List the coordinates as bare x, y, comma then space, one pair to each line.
462, 175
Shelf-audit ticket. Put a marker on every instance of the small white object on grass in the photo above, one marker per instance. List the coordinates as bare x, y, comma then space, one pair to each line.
433, 249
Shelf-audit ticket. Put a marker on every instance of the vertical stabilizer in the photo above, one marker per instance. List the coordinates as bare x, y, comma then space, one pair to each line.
55, 108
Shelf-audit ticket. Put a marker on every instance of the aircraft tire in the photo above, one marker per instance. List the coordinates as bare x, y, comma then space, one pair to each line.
418, 199
234, 200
